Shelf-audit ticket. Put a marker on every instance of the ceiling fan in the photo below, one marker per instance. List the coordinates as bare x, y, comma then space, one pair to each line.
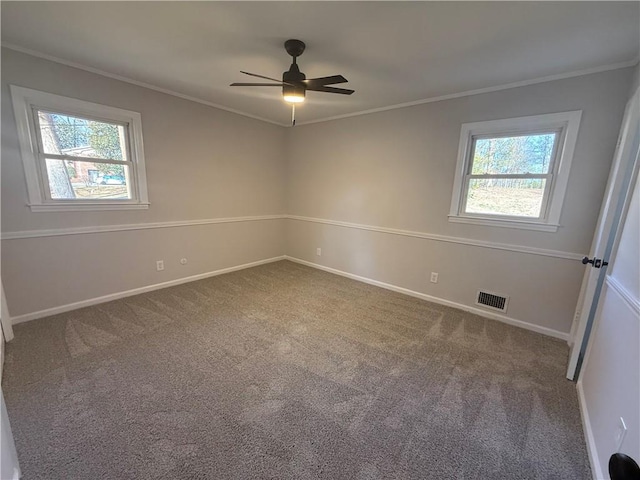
294, 83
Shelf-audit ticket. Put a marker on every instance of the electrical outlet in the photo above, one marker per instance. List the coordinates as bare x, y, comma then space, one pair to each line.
319, 251
434, 277
160, 265
183, 261
621, 432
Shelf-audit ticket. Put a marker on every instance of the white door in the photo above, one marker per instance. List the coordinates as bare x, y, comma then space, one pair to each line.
5, 319
616, 202
609, 384
9, 467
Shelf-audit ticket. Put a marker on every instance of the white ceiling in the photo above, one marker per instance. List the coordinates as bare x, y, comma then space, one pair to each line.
391, 52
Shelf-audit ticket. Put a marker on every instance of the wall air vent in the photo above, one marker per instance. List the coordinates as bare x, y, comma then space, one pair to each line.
494, 301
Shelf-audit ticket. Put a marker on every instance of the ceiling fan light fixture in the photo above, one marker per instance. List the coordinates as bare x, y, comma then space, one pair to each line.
293, 94
294, 98
295, 83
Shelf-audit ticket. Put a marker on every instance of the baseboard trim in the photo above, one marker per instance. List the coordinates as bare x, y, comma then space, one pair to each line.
135, 291
592, 451
441, 301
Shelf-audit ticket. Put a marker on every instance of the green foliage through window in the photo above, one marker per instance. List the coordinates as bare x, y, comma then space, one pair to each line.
513, 155
81, 137
508, 174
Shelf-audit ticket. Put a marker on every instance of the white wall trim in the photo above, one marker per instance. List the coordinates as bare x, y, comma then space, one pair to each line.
592, 451
494, 316
444, 238
72, 206
506, 86
494, 222
132, 226
135, 291
210, 221
631, 302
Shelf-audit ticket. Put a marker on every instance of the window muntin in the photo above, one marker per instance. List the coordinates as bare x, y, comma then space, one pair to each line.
514, 172
84, 137
84, 159
79, 155
510, 175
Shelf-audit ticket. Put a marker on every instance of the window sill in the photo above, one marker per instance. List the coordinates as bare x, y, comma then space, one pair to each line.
492, 222
80, 207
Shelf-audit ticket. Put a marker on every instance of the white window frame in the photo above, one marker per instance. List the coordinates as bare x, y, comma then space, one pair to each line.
25, 101
565, 123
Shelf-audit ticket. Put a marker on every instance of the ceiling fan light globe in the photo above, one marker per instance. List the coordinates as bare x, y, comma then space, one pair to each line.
293, 98
293, 93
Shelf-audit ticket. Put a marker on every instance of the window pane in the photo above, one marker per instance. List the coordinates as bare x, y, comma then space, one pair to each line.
513, 197
81, 180
513, 155
67, 135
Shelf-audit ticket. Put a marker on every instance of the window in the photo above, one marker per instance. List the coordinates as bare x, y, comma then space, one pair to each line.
514, 172
79, 155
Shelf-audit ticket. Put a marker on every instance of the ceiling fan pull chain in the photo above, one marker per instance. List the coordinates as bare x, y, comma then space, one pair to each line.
293, 114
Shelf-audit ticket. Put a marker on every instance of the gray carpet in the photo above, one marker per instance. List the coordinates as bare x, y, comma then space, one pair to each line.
286, 372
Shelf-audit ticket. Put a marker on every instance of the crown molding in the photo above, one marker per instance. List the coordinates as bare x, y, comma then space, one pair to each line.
467, 93
480, 91
138, 83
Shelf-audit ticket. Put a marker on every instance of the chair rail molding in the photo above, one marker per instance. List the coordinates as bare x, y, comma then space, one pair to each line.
445, 238
132, 226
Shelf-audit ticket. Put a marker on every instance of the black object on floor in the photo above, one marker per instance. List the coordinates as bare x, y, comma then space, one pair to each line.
623, 467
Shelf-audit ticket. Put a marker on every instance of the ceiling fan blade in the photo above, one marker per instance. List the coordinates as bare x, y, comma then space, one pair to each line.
321, 81
257, 84
262, 76
342, 91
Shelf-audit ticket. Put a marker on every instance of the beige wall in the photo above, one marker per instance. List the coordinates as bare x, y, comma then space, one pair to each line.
395, 169
202, 163
42, 273
392, 169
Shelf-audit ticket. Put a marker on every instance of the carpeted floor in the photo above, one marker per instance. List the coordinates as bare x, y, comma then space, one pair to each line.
286, 372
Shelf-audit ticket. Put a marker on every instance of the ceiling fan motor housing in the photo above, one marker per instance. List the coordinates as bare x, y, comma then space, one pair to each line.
294, 78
